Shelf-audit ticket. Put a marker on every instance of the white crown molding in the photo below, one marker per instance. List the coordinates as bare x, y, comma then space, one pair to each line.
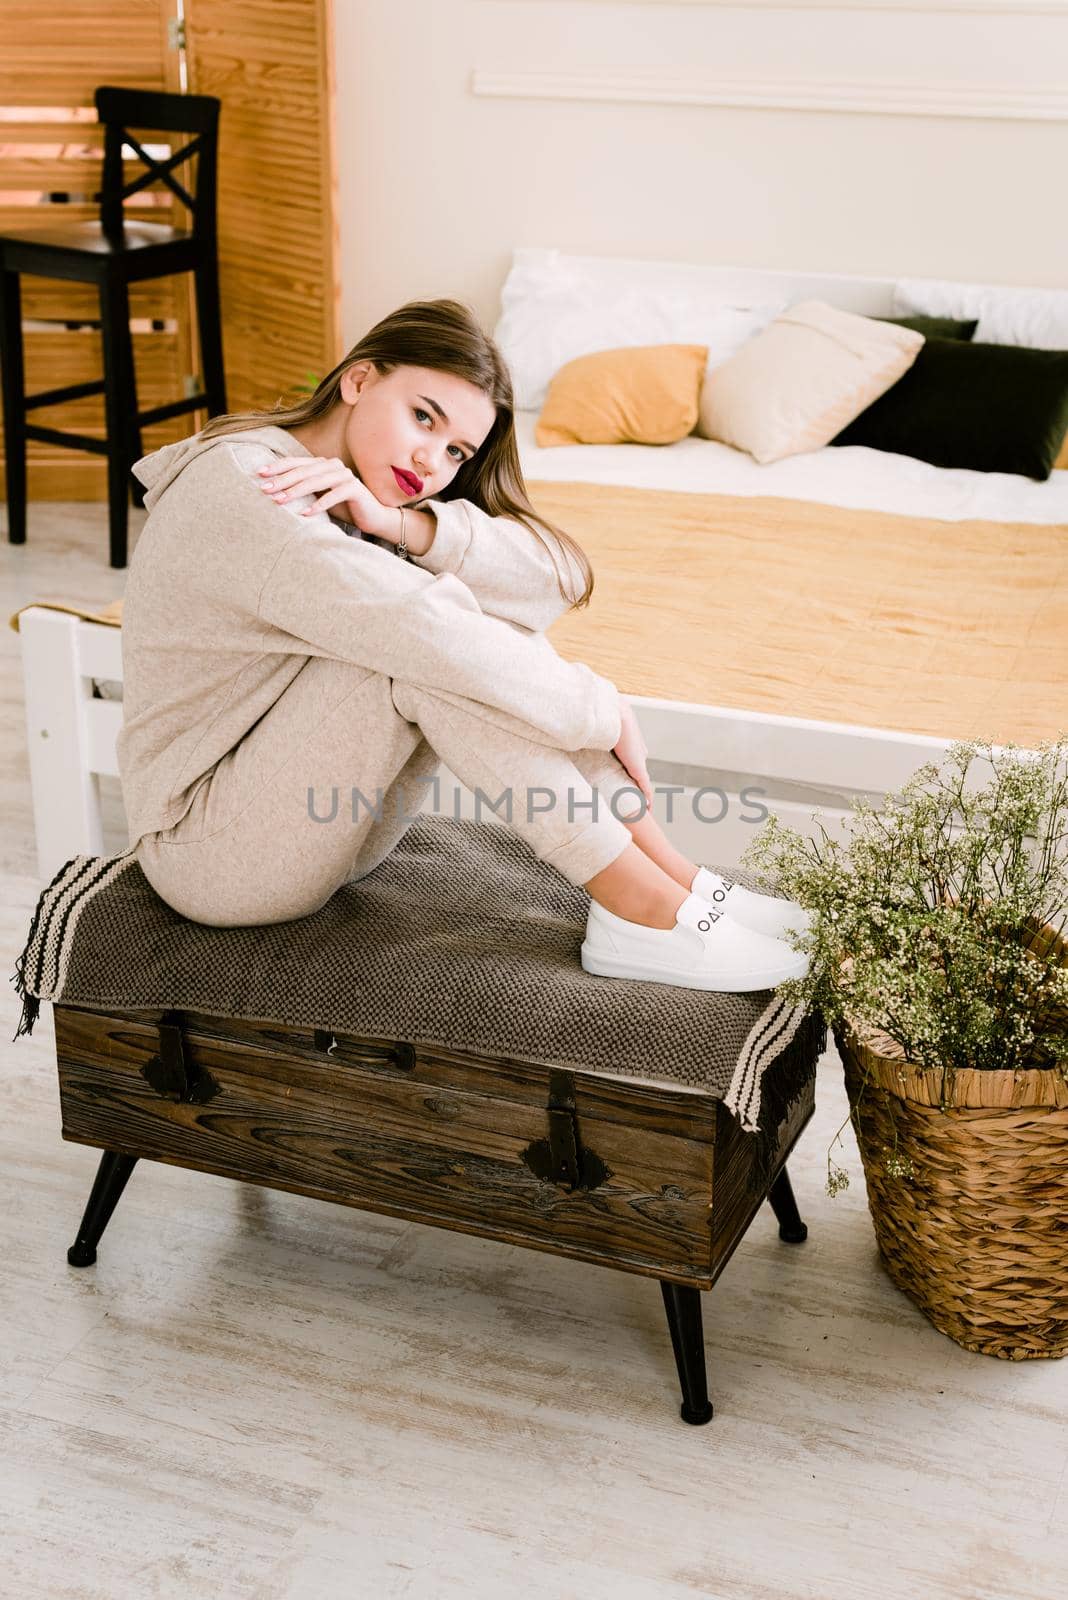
1008, 8
998, 102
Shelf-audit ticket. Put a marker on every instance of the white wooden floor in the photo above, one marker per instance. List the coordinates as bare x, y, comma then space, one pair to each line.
256, 1394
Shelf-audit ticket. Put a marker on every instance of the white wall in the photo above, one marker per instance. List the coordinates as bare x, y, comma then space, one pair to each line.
450, 155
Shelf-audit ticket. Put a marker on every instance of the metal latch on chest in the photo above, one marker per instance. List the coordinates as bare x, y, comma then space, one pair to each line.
562, 1158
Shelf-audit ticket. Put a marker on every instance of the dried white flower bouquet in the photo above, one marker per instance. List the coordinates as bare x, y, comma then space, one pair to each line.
928, 920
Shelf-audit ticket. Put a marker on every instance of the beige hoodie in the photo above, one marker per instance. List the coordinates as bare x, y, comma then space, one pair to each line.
229, 593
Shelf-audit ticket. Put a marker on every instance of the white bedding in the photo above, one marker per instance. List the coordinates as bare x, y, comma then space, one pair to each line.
853, 476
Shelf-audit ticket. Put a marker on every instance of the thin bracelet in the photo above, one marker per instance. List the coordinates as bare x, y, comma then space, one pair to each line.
402, 548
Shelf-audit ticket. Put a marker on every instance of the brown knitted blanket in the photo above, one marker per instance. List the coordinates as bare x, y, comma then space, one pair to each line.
461, 937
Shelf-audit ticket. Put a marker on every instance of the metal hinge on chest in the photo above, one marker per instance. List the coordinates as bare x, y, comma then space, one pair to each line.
562, 1158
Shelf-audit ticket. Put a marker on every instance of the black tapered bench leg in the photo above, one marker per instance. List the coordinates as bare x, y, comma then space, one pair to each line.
781, 1199
683, 1306
110, 1181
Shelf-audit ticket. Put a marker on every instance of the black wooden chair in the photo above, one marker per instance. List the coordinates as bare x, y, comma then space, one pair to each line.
112, 253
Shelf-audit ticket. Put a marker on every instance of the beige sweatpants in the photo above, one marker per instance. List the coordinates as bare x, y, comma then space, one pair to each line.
323, 787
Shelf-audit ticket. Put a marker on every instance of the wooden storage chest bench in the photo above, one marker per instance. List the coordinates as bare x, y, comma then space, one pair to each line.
641, 1177
427, 1046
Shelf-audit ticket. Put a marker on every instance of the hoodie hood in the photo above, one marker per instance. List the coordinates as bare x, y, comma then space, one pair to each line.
158, 470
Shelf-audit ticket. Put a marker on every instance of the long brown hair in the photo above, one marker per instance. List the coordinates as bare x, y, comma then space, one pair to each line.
443, 335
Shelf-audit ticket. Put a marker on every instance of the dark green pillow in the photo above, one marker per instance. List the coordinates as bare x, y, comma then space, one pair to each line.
935, 327
990, 407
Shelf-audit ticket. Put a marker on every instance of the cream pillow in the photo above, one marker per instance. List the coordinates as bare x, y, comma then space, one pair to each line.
637, 395
802, 380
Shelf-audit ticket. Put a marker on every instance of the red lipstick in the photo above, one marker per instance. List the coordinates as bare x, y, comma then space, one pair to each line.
408, 481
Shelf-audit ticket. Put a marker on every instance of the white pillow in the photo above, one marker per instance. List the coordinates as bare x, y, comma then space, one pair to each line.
1034, 317
802, 380
555, 308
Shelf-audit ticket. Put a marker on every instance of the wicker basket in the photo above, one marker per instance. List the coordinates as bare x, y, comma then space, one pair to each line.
977, 1233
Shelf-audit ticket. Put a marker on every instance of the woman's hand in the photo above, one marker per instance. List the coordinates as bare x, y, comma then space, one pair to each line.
335, 484
631, 752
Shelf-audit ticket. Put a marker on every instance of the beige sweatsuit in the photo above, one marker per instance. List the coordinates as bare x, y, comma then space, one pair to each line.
290, 687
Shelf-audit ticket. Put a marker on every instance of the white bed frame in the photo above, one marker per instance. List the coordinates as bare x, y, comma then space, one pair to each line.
71, 734
794, 764
797, 765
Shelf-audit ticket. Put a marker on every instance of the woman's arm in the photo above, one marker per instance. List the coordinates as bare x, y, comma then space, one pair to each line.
355, 601
510, 572
506, 567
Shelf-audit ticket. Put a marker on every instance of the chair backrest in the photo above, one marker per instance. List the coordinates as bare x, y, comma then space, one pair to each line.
122, 110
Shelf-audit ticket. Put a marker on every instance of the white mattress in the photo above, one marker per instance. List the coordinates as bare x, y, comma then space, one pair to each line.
852, 476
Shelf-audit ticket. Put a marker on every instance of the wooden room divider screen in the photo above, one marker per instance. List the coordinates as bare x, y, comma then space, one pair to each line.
271, 64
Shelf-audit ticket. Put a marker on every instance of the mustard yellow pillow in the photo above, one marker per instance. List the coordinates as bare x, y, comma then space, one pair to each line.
648, 394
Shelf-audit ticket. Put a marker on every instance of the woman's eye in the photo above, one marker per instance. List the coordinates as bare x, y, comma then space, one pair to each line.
459, 456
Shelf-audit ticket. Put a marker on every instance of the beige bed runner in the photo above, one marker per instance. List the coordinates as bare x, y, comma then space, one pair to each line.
953, 629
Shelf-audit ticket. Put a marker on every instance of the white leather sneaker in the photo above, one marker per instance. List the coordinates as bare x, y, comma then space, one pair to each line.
761, 912
706, 949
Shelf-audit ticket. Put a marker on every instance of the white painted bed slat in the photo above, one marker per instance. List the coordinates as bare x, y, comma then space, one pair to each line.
800, 749
99, 650
103, 721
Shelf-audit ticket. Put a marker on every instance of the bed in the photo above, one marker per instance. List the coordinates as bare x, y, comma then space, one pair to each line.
783, 644
809, 607
793, 636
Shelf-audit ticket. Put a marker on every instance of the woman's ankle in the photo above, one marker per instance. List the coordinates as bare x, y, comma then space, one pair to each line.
637, 889
654, 843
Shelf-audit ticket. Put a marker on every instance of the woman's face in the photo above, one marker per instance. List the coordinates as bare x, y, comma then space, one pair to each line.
423, 423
